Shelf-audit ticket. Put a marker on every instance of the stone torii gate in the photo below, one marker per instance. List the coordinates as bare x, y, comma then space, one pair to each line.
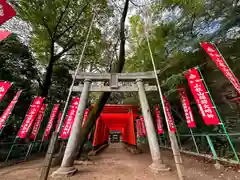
139, 83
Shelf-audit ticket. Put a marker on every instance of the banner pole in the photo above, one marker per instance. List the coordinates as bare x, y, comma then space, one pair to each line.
40, 147
194, 140
34, 141
211, 147
39, 130
10, 151
54, 138
224, 61
45, 145
172, 135
165, 140
4, 125
29, 150
179, 141
10, 113
17, 133
218, 114
162, 140
27, 112
158, 138
56, 117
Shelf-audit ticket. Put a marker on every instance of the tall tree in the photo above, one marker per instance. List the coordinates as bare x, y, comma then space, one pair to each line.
17, 65
117, 68
177, 28
58, 30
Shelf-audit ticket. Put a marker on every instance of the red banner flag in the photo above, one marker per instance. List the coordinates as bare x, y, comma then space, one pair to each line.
143, 127
139, 128
89, 135
4, 34
50, 121
169, 115
6, 12
30, 117
186, 107
221, 64
86, 112
8, 110
66, 130
4, 86
158, 119
201, 97
38, 122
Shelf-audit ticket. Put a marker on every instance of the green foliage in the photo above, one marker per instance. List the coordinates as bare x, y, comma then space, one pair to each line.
18, 66
189, 5
64, 22
177, 28
61, 80
59, 29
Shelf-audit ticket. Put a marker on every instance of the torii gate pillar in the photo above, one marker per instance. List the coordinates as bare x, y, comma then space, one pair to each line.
157, 162
114, 79
70, 154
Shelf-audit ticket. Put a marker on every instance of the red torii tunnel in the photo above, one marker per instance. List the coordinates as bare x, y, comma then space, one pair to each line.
116, 118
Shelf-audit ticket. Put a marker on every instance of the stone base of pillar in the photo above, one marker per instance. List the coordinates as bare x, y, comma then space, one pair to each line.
158, 167
64, 171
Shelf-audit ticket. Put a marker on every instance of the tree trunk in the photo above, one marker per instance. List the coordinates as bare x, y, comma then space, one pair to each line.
48, 78
47, 81
95, 112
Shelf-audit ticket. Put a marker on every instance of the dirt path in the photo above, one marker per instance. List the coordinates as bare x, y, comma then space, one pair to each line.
116, 164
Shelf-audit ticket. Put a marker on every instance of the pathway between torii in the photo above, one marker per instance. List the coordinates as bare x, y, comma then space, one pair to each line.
115, 163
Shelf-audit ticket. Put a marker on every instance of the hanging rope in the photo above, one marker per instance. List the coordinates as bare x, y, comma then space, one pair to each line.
49, 155
147, 28
76, 71
172, 136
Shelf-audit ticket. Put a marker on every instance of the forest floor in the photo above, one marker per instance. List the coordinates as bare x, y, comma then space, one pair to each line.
116, 163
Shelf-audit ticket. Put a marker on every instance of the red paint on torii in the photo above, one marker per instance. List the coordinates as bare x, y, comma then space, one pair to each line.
116, 117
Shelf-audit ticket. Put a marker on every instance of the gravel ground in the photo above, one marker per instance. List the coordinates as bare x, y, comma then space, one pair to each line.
117, 164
